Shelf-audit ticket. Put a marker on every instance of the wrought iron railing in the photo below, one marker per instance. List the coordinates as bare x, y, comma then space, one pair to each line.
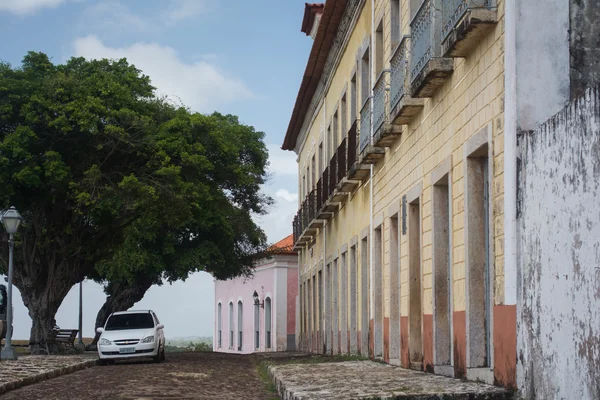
311, 206
319, 195
341, 160
380, 100
422, 29
332, 173
454, 10
365, 124
352, 144
399, 68
325, 180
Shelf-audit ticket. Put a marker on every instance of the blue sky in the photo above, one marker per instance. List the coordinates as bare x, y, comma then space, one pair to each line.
234, 56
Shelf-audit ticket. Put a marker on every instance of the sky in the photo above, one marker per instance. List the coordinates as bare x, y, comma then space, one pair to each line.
234, 56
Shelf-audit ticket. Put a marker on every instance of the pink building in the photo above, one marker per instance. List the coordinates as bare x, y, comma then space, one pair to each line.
259, 314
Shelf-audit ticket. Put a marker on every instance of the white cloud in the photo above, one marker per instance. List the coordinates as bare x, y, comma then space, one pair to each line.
113, 16
200, 85
25, 7
277, 224
184, 9
286, 195
282, 162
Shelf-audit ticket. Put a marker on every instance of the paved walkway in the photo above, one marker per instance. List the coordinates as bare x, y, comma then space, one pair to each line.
213, 376
370, 380
31, 369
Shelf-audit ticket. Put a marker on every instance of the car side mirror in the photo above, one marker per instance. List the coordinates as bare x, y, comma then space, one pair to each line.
160, 326
100, 330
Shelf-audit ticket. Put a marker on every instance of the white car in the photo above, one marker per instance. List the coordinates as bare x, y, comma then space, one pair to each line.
131, 334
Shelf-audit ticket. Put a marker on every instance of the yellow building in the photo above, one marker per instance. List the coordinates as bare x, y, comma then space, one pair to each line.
398, 128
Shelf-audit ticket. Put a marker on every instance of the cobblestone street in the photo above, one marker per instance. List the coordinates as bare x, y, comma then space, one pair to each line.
182, 376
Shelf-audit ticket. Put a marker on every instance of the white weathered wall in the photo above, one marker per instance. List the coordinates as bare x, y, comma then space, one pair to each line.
559, 247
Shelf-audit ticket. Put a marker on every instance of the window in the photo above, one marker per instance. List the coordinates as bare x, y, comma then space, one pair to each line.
321, 160
308, 182
329, 142
240, 325
365, 77
344, 117
231, 325
312, 170
335, 133
353, 98
379, 49
257, 326
268, 322
127, 321
219, 325
395, 24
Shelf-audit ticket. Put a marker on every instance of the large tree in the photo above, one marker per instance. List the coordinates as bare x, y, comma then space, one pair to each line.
114, 182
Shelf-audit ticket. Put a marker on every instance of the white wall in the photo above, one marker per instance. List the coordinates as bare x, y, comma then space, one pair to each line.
559, 233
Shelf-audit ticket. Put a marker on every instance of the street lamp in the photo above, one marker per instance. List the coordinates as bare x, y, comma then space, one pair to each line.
11, 219
256, 301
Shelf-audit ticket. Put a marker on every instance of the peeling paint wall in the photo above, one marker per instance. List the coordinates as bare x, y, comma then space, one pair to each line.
559, 255
585, 45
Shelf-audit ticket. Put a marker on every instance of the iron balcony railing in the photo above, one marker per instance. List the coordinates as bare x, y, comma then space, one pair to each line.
365, 124
399, 69
380, 100
352, 145
332, 173
454, 10
325, 180
341, 161
422, 32
319, 195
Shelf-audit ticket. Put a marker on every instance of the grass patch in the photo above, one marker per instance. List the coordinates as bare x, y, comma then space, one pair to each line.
263, 372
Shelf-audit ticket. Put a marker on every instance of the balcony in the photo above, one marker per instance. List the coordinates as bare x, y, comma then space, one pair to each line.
464, 24
356, 172
384, 132
369, 154
403, 108
428, 69
338, 181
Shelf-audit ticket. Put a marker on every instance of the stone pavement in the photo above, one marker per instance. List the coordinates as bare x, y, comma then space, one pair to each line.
371, 380
31, 369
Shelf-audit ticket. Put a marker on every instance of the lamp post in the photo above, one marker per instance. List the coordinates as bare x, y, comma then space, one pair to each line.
256, 301
11, 219
80, 343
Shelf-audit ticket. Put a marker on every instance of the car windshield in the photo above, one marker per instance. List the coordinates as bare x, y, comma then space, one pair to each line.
129, 321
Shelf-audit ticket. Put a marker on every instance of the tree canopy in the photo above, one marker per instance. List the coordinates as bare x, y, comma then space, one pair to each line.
117, 184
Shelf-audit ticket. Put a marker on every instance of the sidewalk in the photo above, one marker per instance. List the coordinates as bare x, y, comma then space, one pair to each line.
370, 380
32, 369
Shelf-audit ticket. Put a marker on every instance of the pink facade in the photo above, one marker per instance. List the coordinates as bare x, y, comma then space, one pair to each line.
243, 327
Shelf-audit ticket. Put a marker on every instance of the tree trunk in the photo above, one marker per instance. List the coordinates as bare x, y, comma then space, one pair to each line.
42, 304
121, 297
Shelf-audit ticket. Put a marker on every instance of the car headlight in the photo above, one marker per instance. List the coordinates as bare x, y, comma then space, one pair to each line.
105, 342
148, 339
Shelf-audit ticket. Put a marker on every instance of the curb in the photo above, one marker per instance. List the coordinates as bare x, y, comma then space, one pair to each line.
29, 380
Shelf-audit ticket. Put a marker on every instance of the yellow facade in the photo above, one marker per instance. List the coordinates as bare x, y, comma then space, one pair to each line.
466, 107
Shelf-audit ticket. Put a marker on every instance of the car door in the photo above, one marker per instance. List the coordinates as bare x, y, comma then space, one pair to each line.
159, 332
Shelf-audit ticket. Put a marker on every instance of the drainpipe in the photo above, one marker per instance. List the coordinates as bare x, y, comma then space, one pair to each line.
510, 154
371, 67
322, 322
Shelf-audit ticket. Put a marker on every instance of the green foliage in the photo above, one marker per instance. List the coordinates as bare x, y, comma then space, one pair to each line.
115, 183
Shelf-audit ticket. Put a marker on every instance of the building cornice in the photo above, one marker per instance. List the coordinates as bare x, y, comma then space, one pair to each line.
340, 43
